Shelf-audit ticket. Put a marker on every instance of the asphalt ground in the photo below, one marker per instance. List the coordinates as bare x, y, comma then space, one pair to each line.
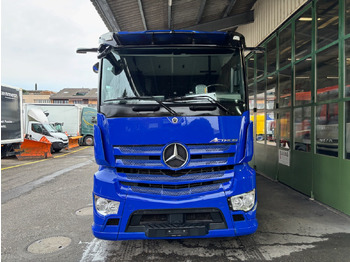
51, 199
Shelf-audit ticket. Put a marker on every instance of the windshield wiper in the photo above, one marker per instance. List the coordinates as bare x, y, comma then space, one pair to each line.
210, 99
151, 98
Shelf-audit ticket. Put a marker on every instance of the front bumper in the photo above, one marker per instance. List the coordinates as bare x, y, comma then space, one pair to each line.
118, 226
59, 145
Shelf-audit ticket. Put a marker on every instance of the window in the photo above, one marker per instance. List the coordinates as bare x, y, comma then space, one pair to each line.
81, 93
251, 97
271, 56
327, 22
60, 101
327, 129
260, 128
271, 91
284, 130
347, 130
42, 101
285, 46
271, 128
174, 73
302, 129
260, 65
250, 69
327, 74
260, 95
303, 82
37, 128
285, 86
303, 35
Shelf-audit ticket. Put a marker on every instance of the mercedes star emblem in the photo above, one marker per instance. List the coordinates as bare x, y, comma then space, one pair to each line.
175, 155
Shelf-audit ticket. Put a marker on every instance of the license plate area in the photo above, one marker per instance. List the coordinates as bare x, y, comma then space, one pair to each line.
177, 231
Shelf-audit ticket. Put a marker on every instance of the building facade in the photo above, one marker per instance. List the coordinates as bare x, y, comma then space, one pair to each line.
299, 96
42, 97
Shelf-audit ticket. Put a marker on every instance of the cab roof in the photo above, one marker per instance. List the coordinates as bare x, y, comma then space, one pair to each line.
172, 37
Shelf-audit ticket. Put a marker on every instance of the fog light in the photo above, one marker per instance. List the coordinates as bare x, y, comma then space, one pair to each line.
105, 206
243, 202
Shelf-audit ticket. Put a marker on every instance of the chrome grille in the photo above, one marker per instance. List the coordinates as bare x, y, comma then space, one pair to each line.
175, 190
150, 156
165, 178
169, 192
206, 148
207, 162
142, 163
142, 150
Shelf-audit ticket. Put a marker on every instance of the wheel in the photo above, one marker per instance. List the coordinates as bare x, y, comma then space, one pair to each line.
57, 150
88, 141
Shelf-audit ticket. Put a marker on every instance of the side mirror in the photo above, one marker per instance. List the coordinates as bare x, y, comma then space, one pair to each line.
94, 120
96, 67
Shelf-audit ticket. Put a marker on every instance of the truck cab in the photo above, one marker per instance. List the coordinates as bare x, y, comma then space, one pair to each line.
38, 126
173, 137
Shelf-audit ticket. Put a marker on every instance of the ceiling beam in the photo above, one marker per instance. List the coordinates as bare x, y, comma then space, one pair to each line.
142, 14
229, 8
201, 10
106, 14
227, 22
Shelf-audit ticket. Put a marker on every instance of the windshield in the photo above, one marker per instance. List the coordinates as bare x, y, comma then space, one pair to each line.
173, 76
49, 128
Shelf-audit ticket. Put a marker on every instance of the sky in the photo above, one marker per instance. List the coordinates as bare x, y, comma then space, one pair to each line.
39, 39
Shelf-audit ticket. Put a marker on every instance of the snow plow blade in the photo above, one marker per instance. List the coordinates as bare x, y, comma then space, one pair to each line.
31, 149
73, 141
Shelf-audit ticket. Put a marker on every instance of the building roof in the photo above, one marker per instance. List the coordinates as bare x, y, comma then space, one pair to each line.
199, 15
76, 93
38, 92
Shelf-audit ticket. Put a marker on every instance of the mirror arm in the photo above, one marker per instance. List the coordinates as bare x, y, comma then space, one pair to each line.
86, 50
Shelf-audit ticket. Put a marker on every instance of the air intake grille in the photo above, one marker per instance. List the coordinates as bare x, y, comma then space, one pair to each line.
142, 150
175, 173
165, 178
175, 190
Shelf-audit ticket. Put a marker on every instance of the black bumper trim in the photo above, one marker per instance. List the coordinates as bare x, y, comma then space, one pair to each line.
176, 222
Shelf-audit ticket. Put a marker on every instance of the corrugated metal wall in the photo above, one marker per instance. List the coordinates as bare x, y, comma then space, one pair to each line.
268, 15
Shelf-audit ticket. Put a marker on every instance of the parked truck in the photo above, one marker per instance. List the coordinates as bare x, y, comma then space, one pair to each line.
11, 120
73, 119
37, 125
173, 137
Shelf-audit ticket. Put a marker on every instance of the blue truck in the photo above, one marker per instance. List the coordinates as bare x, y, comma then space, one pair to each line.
173, 137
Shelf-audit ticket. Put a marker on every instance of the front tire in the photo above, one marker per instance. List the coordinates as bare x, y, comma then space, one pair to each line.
88, 141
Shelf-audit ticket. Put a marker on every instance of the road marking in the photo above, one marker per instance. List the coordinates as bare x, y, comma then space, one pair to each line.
37, 161
20, 190
24, 164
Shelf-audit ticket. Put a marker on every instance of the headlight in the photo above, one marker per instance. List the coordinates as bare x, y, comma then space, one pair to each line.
105, 206
243, 202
